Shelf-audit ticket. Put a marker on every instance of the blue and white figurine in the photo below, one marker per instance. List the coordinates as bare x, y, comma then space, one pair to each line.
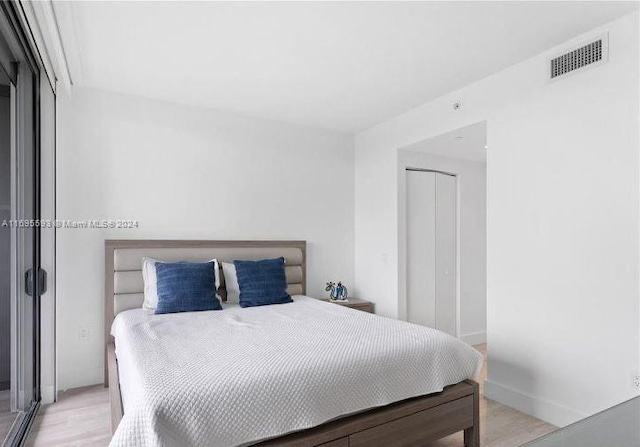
338, 292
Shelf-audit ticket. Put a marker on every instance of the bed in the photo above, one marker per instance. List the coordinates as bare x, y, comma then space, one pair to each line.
307, 373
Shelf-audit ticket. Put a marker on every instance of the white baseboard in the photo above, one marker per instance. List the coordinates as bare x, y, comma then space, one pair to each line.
550, 412
48, 394
474, 338
81, 378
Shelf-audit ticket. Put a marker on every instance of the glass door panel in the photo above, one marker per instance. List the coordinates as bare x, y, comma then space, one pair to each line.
21, 230
27, 239
7, 417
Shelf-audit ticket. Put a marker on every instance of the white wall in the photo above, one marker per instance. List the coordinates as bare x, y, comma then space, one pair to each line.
48, 240
186, 172
472, 238
562, 218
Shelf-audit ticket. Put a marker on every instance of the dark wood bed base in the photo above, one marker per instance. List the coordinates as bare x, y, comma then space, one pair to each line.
412, 422
408, 423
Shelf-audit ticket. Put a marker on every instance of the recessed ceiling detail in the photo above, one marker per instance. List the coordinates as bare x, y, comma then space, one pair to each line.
466, 143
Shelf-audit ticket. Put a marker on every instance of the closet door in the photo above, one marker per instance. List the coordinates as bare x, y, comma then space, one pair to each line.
421, 248
445, 270
431, 250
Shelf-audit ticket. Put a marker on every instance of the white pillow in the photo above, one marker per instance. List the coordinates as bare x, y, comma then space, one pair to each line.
151, 282
231, 282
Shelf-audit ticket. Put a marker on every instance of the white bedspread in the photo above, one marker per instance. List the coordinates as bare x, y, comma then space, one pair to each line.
237, 376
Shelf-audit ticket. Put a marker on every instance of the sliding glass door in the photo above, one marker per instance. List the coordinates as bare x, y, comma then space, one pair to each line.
21, 230
7, 418
26, 234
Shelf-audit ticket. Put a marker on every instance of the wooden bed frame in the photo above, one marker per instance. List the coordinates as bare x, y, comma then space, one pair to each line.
412, 422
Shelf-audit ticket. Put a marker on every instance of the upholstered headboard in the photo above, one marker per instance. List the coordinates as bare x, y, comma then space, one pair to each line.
124, 286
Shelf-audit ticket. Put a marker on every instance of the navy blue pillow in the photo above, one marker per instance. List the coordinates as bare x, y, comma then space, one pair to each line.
262, 282
186, 287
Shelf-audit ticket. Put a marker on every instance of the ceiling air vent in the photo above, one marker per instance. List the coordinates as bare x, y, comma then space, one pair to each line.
578, 59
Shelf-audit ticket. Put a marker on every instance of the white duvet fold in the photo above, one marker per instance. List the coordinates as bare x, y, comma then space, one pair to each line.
237, 376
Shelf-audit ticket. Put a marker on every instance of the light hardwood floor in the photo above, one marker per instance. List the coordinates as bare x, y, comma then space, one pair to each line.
81, 418
7, 418
500, 426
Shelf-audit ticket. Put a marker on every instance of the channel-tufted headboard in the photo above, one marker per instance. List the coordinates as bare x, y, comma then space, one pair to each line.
124, 287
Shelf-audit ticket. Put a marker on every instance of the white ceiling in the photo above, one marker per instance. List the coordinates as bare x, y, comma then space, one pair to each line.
467, 143
336, 65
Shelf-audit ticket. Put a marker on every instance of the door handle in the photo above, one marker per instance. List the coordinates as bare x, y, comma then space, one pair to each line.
29, 281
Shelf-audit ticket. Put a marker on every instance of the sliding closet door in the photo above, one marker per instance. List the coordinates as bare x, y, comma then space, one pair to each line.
431, 250
445, 236
421, 248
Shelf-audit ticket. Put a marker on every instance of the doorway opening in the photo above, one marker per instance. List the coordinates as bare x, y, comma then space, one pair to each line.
454, 256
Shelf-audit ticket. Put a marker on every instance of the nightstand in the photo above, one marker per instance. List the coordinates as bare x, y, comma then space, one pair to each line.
354, 303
